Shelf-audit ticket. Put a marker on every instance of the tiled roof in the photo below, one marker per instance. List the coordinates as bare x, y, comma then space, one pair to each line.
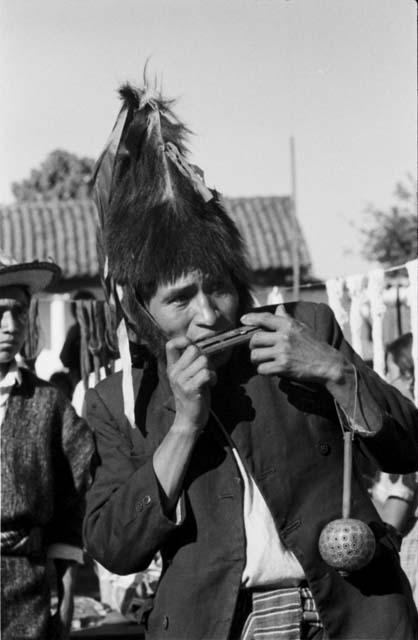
266, 226
63, 230
66, 232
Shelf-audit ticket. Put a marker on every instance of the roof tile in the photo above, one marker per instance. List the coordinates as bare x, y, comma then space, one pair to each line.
65, 231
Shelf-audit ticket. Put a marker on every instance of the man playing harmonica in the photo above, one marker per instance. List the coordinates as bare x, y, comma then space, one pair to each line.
231, 463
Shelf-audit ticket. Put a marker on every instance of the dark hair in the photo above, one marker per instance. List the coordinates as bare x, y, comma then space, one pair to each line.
27, 292
401, 352
150, 242
23, 288
144, 292
62, 381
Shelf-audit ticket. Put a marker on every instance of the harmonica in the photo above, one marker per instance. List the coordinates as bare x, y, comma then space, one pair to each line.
226, 339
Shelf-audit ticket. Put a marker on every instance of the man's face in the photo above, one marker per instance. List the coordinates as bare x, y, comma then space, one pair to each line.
196, 306
14, 304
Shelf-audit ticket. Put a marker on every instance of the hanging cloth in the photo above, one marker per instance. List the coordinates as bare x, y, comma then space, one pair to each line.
412, 268
375, 291
355, 286
336, 293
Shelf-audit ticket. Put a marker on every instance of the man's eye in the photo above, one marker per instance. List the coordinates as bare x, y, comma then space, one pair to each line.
20, 313
180, 300
17, 312
219, 287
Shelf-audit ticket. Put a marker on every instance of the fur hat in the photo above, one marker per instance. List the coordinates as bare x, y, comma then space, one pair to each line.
158, 220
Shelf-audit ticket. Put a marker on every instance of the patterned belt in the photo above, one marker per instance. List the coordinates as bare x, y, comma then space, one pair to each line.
22, 542
281, 613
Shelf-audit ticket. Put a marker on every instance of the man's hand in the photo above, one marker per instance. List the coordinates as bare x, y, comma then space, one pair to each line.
190, 376
288, 348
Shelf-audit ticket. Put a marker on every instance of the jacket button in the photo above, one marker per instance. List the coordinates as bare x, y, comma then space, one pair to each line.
147, 500
165, 622
324, 448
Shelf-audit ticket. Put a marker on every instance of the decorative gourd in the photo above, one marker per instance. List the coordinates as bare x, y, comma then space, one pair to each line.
347, 544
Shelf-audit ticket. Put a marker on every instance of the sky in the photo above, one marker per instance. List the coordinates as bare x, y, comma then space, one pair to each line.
339, 76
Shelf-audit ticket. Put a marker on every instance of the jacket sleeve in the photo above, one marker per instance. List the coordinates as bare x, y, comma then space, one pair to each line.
72, 448
393, 433
125, 524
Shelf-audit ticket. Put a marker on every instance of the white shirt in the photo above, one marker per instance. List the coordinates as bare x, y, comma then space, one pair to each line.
12, 377
268, 561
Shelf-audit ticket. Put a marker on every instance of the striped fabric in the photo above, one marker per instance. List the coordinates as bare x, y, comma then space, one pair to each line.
409, 559
281, 614
409, 546
66, 232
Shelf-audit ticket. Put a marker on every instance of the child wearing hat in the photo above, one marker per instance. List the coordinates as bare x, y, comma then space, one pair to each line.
45, 455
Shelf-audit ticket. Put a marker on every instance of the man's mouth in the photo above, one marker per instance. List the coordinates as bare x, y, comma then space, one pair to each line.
209, 335
7, 345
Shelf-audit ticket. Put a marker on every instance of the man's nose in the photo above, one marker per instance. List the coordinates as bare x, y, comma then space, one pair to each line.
8, 322
207, 312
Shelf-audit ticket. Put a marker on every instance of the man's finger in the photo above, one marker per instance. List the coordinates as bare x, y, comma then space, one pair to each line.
264, 319
174, 349
262, 355
200, 363
269, 369
204, 377
281, 311
263, 339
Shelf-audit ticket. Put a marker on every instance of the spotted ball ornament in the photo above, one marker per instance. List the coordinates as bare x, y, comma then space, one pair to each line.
347, 544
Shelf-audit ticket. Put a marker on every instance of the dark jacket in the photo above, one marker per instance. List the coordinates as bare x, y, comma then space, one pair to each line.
45, 460
291, 441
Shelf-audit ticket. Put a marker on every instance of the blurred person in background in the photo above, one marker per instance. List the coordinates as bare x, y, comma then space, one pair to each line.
62, 381
400, 365
398, 494
45, 456
70, 352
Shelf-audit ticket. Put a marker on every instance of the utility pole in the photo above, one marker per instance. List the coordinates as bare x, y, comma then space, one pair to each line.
294, 238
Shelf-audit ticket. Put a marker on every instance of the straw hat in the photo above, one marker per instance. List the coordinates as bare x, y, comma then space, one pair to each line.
35, 275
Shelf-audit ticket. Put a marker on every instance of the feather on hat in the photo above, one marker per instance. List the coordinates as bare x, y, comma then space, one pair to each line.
157, 218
